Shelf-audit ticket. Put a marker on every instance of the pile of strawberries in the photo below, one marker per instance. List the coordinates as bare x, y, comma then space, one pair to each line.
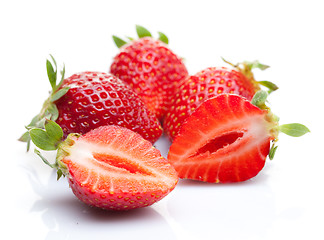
103, 125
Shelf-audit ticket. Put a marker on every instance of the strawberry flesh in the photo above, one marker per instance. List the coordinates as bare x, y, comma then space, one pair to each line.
219, 142
114, 168
226, 139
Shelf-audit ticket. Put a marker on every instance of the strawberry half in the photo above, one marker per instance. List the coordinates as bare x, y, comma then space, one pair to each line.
227, 139
208, 83
88, 100
109, 167
150, 68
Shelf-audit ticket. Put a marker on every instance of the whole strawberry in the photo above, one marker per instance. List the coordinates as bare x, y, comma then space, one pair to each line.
228, 138
150, 68
88, 100
110, 167
209, 83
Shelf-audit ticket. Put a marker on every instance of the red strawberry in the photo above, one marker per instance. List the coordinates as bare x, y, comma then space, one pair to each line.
109, 167
150, 68
227, 139
88, 100
97, 99
209, 83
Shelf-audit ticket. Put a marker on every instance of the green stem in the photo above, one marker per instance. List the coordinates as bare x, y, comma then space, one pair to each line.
49, 109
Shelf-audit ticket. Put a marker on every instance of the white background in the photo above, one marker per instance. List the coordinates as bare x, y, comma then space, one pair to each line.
285, 201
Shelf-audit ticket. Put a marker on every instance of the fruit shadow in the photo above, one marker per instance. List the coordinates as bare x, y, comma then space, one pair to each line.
249, 207
261, 178
66, 216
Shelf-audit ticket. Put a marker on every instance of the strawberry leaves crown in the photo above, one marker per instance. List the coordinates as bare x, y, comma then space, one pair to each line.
291, 129
246, 68
50, 138
49, 109
141, 33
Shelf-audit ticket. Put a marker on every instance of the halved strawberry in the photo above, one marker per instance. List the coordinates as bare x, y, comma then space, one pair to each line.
109, 167
208, 83
227, 139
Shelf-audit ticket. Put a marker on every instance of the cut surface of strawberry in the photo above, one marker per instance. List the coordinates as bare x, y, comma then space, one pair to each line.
110, 167
227, 139
209, 83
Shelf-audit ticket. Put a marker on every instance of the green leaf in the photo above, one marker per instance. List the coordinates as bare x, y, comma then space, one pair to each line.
41, 122
62, 77
51, 74
163, 38
259, 99
28, 145
25, 137
34, 121
294, 129
54, 131
60, 93
53, 112
272, 151
44, 159
53, 61
59, 174
42, 140
271, 86
118, 41
256, 64
142, 32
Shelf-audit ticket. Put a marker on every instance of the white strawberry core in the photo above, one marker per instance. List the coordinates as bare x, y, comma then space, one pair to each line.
255, 131
83, 153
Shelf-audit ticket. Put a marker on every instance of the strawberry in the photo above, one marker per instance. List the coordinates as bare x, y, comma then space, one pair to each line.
110, 167
150, 68
227, 139
88, 100
209, 83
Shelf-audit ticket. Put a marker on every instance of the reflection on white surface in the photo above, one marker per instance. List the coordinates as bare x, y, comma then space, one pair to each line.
246, 210
66, 217
194, 210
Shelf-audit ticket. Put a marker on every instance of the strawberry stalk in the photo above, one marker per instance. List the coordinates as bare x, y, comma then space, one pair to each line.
246, 68
291, 129
49, 109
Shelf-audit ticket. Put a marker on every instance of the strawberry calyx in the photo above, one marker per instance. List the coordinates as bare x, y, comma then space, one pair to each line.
259, 99
291, 129
246, 68
51, 138
49, 109
64, 151
141, 33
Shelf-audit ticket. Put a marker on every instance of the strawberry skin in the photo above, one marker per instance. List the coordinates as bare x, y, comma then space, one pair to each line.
114, 168
205, 84
95, 99
226, 139
152, 70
